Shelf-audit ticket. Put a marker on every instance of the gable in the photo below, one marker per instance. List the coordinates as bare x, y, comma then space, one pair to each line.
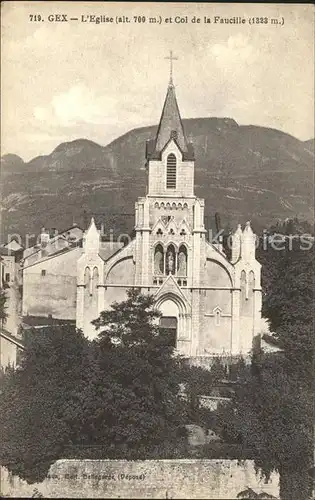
171, 290
172, 147
13, 245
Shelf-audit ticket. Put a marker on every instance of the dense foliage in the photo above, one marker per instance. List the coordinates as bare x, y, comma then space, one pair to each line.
134, 384
35, 398
118, 393
288, 301
272, 411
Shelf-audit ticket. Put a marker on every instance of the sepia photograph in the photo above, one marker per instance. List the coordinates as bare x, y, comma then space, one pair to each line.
157, 269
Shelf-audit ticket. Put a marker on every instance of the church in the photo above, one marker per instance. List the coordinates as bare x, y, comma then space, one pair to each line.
211, 304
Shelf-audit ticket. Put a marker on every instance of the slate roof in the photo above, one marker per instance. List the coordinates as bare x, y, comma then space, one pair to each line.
170, 127
109, 248
170, 121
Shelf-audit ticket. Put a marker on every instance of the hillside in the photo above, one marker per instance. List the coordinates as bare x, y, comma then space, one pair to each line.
243, 172
11, 163
310, 144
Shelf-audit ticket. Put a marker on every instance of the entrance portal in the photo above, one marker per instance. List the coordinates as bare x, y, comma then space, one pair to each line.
168, 325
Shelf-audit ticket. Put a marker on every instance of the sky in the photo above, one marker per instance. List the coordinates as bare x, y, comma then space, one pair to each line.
62, 81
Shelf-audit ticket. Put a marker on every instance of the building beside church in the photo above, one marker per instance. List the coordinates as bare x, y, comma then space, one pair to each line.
50, 276
10, 288
211, 304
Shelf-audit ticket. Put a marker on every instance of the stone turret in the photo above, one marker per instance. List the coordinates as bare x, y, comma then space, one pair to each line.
236, 244
248, 244
91, 239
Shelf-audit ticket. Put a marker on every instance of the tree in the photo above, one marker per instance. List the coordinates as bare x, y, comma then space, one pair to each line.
272, 411
134, 390
119, 393
36, 399
272, 416
288, 301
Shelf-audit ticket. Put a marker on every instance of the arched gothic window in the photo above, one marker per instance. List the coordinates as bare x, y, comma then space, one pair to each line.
158, 260
87, 281
244, 285
171, 171
95, 280
182, 261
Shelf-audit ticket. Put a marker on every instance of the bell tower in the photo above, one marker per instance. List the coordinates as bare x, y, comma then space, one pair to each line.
169, 219
169, 157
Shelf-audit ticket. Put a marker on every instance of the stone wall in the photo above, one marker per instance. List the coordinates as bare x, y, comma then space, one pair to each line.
11, 269
206, 479
50, 286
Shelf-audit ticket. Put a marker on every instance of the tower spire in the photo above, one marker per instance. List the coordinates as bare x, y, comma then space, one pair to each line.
170, 125
171, 59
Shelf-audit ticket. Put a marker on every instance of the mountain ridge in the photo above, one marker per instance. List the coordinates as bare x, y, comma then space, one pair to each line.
243, 172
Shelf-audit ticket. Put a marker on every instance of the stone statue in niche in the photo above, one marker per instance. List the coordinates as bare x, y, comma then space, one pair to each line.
170, 261
158, 262
182, 263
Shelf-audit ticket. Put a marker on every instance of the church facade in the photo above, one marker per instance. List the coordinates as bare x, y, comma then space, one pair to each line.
211, 303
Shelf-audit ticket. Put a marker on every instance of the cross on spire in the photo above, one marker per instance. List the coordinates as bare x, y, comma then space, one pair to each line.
171, 59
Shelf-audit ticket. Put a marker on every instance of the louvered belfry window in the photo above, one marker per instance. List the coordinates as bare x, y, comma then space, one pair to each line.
171, 172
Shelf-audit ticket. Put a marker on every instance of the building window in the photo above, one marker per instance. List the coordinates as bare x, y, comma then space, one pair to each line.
217, 316
171, 171
43, 272
7, 277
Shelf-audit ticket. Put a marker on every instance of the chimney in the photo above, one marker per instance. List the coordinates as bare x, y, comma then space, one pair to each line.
44, 237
